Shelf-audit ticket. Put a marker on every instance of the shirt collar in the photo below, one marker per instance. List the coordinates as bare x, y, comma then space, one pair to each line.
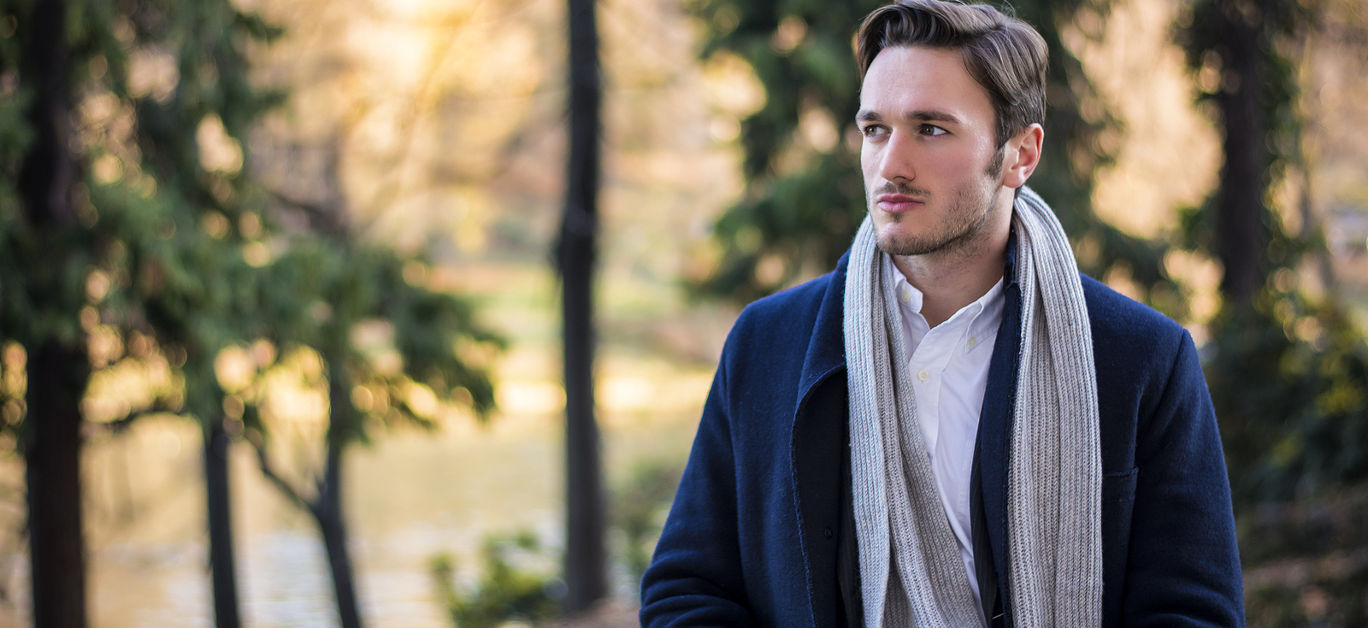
911, 299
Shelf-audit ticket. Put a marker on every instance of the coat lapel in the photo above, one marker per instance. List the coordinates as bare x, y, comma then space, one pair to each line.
817, 453
995, 428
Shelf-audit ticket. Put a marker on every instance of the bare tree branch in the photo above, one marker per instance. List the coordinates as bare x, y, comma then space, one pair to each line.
281, 484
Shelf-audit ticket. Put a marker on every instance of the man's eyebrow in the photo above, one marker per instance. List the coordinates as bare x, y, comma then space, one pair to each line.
920, 115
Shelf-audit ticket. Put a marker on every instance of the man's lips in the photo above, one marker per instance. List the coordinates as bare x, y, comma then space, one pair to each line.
899, 202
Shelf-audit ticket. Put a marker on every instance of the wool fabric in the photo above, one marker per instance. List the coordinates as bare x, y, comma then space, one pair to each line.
910, 571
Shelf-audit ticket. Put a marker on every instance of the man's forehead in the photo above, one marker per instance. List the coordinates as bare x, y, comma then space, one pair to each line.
915, 115
907, 79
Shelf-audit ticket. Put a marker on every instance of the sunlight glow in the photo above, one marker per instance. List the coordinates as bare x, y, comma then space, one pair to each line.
217, 150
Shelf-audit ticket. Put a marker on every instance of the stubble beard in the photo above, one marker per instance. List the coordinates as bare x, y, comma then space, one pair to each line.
966, 217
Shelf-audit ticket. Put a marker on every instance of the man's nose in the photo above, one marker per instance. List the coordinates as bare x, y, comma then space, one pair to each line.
897, 159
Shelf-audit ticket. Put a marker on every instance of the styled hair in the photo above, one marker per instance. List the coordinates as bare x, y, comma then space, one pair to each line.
1002, 53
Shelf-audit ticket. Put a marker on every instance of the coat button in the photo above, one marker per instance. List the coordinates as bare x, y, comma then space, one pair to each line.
827, 532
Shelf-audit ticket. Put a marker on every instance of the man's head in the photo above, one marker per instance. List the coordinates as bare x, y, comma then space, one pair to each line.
950, 108
1003, 54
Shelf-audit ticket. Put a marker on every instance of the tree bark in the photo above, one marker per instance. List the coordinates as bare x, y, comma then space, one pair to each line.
58, 369
584, 545
1241, 235
327, 508
56, 380
219, 501
334, 531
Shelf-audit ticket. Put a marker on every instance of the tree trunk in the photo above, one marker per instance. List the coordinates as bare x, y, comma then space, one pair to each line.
1241, 235
219, 501
58, 369
334, 531
584, 546
56, 380
327, 509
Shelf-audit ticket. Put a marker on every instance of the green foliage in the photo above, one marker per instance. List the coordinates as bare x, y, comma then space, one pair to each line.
158, 235
640, 506
514, 583
357, 306
184, 247
1206, 31
1303, 427
1288, 373
1203, 33
506, 591
161, 233
804, 201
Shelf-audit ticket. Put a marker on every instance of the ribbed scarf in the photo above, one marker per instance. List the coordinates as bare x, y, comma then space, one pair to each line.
910, 568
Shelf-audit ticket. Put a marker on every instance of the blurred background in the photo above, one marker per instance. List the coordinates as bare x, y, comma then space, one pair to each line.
402, 313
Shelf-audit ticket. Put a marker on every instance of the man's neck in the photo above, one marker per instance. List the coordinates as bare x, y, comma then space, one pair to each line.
948, 288
951, 279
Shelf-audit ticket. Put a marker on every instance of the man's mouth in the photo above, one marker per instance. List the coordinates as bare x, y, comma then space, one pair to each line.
895, 203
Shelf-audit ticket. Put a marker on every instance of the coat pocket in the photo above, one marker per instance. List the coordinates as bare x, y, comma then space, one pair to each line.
1119, 488
1118, 505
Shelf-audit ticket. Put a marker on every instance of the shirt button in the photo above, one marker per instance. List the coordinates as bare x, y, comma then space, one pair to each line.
904, 295
923, 376
972, 341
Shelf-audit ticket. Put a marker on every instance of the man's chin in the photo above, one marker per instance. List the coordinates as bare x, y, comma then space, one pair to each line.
903, 245
895, 239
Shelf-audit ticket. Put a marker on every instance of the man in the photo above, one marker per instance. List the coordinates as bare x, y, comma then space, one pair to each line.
953, 428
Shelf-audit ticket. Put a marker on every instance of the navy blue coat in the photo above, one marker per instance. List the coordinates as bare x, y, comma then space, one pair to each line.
754, 533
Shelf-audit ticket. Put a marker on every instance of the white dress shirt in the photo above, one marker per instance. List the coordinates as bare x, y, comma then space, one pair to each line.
949, 367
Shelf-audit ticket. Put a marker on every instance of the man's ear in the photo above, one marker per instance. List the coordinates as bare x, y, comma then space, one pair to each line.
1023, 155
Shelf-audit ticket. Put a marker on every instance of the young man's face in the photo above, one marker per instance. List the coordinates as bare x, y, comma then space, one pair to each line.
932, 168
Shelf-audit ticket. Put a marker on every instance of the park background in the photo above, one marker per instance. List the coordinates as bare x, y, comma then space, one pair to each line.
308, 250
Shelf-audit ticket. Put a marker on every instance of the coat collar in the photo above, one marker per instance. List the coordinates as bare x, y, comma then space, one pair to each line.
826, 350
819, 452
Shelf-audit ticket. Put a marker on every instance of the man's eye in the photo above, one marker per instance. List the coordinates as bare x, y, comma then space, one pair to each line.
873, 130
932, 130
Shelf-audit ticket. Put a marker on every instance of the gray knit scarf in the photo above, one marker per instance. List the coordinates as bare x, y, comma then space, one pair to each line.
910, 568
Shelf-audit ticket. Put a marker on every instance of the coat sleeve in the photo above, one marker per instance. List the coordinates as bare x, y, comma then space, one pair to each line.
695, 577
1183, 565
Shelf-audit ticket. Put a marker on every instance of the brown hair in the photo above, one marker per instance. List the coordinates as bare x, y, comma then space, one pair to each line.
1004, 54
